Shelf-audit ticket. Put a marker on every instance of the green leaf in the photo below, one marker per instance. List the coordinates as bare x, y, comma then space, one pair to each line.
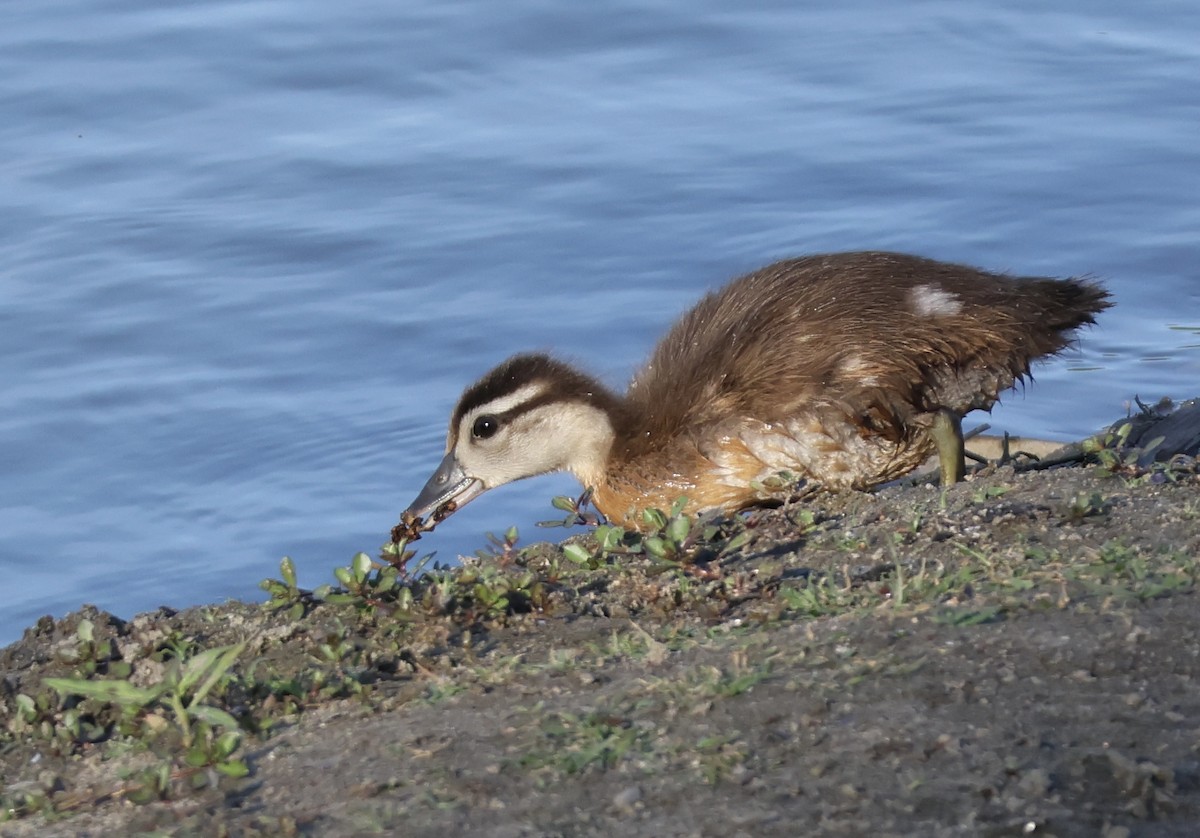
143, 794
736, 542
212, 665
609, 537
404, 599
115, 692
344, 575
86, 631
70, 721
564, 503
287, 569
680, 504
577, 553
214, 716
1123, 432
654, 519
678, 528
195, 668
25, 706
235, 768
226, 744
511, 535
656, 547
361, 565
1152, 444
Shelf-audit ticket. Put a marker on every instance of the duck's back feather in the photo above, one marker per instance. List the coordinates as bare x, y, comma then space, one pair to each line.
880, 338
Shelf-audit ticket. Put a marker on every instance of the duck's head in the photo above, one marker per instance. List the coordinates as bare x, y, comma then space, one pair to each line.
530, 415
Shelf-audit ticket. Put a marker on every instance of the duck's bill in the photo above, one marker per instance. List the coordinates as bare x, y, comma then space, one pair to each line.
448, 483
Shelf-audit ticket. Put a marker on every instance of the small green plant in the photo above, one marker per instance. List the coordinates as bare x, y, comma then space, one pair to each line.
674, 538
366, 585
284, 694
1116, 457
21, 803
38, 716
986, 493
577, 512
494, 592
592, 741
500, 550
730, 684
718, 757
582, 556
399, 556
805, 519
209, 734
90, 656
670, 537
337, 645
1086, 505
285, 594
1126, 572
185, 685
819, 597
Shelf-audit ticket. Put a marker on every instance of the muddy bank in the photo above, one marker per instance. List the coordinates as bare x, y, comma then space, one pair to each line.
1017, 655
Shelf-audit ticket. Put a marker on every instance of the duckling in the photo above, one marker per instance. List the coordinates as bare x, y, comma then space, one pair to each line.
846, 370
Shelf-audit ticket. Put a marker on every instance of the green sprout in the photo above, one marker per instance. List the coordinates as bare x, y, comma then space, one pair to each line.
185, 686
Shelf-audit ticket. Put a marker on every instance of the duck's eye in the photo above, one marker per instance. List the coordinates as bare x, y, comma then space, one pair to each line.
485, 426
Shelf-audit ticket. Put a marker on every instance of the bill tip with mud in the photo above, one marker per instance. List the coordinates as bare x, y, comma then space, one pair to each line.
411, 526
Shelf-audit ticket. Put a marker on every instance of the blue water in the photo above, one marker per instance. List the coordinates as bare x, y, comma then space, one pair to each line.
250, 252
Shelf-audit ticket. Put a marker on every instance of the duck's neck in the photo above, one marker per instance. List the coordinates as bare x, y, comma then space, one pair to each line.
589, 441
581, 420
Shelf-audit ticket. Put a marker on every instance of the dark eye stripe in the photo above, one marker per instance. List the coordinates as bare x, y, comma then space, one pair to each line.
496, 421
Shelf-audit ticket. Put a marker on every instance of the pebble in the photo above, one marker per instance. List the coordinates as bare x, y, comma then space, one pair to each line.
627, 797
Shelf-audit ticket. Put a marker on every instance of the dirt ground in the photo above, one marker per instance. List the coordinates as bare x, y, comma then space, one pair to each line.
1017, 655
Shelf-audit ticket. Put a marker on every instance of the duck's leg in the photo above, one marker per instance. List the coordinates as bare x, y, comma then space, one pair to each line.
948, 437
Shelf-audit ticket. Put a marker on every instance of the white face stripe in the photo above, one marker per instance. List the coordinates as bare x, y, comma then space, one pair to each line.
931, 301
503, 404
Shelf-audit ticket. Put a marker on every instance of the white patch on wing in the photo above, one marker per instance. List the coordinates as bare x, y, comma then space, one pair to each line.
931, 301
855, 367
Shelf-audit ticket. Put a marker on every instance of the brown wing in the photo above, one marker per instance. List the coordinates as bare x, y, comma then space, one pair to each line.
884, 337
